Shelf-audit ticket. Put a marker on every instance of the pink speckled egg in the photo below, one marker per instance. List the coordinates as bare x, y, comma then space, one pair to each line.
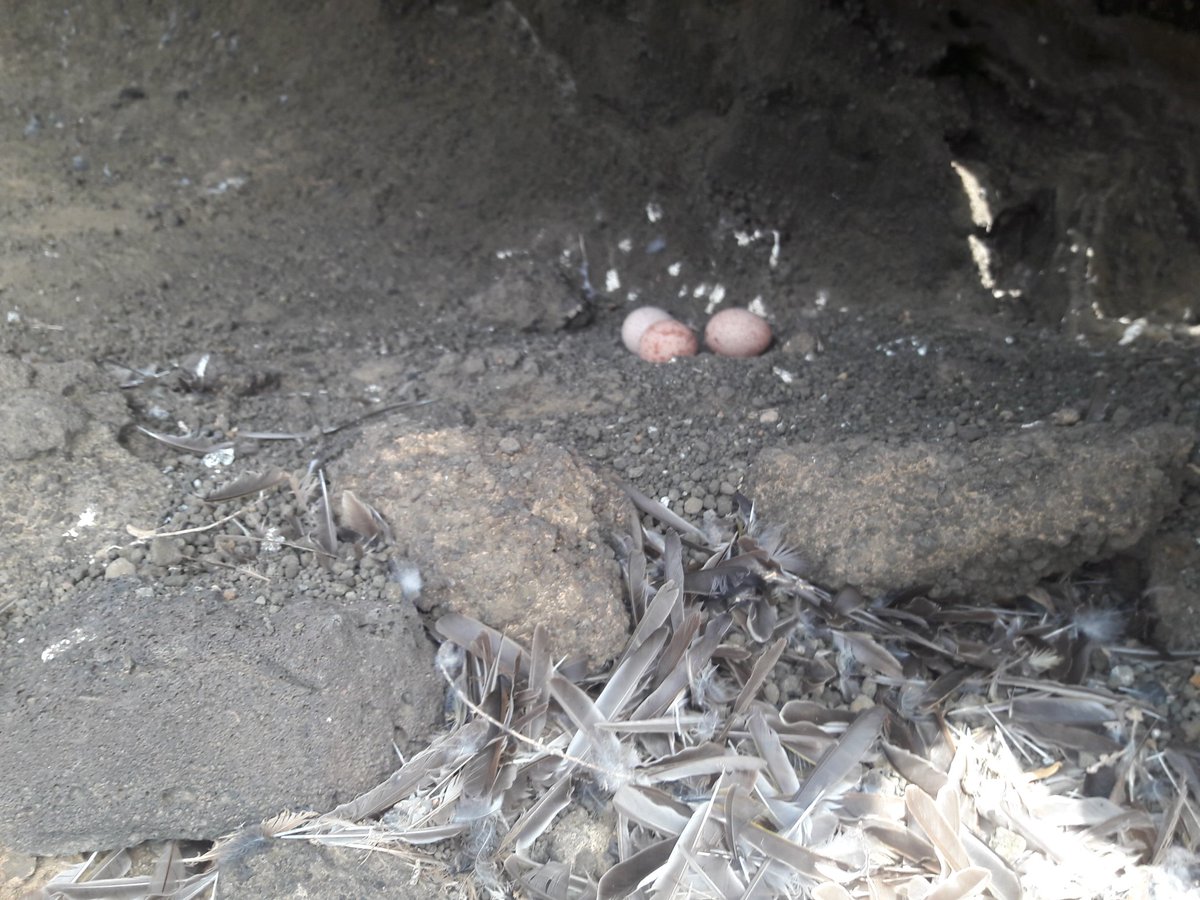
737, 332
637, 322
665, 340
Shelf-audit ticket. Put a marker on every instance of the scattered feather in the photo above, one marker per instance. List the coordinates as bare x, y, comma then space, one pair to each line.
602, 748
986, 745
168, 871
903, 841
546, 881
1062, 710
869, 653
1005, 883
629, 874
915, 769
197, 446
325, 533
941, 833
840, 759
699, 835
248, 484
535, 820
763, 667
361, 518
962, 884
664, 515
770, 748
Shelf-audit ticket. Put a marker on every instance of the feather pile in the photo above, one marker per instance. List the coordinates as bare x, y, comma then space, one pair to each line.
761, 737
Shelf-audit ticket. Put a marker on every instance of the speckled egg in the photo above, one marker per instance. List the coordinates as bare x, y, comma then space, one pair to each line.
637, 322
665, 340
737, 332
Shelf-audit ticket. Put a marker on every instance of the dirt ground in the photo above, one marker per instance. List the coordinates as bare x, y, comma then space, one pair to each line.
314, 219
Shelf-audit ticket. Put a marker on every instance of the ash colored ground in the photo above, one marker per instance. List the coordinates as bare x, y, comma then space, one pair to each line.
280, 218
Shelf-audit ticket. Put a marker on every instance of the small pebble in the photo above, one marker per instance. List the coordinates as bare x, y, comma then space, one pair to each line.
737, 332
801, 343
665, 340
1008, 844
1065, 417
1121, 676
637, 322
165, 552
119, 568
860, 703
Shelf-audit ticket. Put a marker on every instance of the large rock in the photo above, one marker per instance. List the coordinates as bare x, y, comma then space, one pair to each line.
127, 715
512, 534
985, 520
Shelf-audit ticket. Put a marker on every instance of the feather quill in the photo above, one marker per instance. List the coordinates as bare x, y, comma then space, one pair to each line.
770, 748
658, 511
325, 534
168, 871
839, 760
763, 667
245, 485
195, 445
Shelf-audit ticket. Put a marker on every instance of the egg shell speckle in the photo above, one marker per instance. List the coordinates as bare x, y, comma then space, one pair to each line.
667, 339
737, 332
637, 322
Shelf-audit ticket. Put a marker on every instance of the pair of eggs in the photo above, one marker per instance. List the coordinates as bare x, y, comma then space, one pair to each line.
653, 335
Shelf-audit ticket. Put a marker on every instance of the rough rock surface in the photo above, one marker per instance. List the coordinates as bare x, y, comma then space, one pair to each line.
511, 532
985, 520
129, 714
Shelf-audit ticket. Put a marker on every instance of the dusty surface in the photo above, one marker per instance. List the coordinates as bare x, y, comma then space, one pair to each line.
231, 713
228, 220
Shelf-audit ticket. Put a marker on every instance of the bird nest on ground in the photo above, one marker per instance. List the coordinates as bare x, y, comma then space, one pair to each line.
915, 750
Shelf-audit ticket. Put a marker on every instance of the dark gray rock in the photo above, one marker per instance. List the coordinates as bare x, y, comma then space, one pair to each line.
984, 520
127, 715
510, 538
